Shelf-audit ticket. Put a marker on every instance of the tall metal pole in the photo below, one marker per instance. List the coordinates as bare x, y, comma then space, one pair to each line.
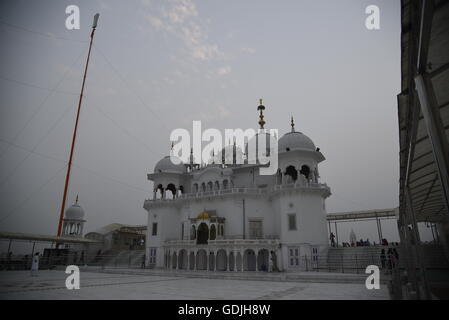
69, 166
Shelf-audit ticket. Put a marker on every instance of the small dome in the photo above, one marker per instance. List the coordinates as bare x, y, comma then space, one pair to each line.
75, 212
167, 164
295, 141
203, 215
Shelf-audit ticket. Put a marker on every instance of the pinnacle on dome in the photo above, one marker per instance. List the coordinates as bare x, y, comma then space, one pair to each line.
261, 108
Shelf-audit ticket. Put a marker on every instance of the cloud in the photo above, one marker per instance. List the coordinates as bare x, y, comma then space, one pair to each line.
224, 70
180, 18
248, 50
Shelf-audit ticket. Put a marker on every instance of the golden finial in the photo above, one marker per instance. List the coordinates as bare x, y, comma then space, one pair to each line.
261, 108
293, 124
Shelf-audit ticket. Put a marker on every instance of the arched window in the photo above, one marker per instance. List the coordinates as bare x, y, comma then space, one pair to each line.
195, 187
213, 232
210, 186
217, 185
193, 233
291, 171
305, 170
171, 187
225, 184
203, 187
203, 234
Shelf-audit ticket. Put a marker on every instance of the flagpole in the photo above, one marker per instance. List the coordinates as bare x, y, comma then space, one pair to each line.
69, 165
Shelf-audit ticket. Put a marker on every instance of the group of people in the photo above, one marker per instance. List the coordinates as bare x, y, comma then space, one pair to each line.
389, 260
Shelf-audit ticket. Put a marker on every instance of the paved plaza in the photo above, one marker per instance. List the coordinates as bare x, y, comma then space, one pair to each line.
50, 285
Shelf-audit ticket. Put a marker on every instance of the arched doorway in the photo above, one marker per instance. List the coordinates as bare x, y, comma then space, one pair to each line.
213, 232
203, 234
172, 188
305, 170
182, 259
192, 261
211, 261
239, 261
291, 172
222, 261
174, 260
249, 260
262, 260
193, 233
201, 260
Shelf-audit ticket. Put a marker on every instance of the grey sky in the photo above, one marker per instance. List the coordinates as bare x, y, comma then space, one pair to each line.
159, 65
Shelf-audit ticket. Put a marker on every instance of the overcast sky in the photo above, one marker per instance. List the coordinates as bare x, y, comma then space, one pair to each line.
159, 65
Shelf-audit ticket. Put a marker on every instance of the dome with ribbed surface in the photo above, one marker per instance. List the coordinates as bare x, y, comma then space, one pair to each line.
295, 141
75, 212
169, 164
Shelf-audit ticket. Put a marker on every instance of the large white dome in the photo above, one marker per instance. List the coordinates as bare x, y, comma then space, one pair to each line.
167, 165
295, 141
75, 212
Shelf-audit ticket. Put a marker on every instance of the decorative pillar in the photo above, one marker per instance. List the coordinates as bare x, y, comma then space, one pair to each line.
242, 256
234, 254
207, 259
270, 261
215, 260
257, 260
195, 255
188, 260
177, 259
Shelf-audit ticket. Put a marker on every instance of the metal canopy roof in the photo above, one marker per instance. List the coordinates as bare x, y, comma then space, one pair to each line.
424, 50
363, 214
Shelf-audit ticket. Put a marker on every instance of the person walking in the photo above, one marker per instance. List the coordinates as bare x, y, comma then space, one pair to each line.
332, 238
143, 262
35, 265
396, 257
383, 258
390, 259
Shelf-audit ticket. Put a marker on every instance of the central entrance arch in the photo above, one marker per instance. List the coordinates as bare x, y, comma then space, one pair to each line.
203, 234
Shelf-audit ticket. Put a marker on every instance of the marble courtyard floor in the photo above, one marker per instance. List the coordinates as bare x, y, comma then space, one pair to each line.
50, 285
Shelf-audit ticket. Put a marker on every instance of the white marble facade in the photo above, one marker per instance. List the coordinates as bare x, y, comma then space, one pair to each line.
229, 218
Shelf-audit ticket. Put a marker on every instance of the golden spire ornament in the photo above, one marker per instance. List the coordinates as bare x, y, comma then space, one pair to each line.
261, 108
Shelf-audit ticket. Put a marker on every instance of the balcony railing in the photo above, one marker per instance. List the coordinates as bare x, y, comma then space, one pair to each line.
268, 240
255, 191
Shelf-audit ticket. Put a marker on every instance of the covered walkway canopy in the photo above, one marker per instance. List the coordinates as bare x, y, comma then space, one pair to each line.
423, 114
377, 214
43, 238
363, 214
